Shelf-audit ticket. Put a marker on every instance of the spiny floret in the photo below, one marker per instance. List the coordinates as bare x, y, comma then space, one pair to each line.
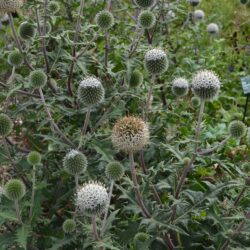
92, 199
37, 79
145, 3
27, 31
53, 7
15, 58
104, 19
75, 162
237, 129
156, 61
34, 158
213, 28
15, 189
141, 237
6, 125
130, 134
69, 226
205, 84
194, 2
114, 171
180, 86
91, 91
199, 15
136, 78
146, 19
195, 101
9, 6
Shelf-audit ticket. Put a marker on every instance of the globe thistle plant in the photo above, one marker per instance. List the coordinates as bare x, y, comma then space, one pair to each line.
136, 79
10, 6
27, 31
6, 125
213, 28
145, 3
37, 79
92, 199
91, 91
205, 84
156, 61
69, 226
237, 129
104, 20
146, 19
75, 162
194, 2
34, 158
130, 134
199, 15
15, 189
180, 86
15, 58
114, 171
53, 7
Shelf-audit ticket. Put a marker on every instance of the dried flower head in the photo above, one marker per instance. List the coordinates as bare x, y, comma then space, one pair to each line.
8, 6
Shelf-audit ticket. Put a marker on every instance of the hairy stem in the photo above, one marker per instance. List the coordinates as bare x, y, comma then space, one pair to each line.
106, 49
96, 235
86, 122
33, 191
76, 186
150, 93
18, 213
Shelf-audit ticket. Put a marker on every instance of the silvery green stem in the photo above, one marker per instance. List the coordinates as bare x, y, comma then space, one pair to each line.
106, 49
33, 191
86, 122
96, 235
150, 93
136, 186
11, 78
18, 214
107, 210
76, 186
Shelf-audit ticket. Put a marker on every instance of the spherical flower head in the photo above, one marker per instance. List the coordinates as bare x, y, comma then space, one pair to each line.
180, 86
194, 2
170, 15
92, 199
114, 171
6, 125
53, 7
205, 84
136, 78
27, 31
156, 61
199, 15
104, 20
244, 1
15, 58
14, 189
141, 237
91, 91
34, 158
195, 101
10, 6
146, 19
130, 134
237, 129
75, 162
37, 79
144, 3
213, 28
69, 226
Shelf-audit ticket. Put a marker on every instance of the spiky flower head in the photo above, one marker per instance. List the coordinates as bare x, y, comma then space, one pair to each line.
199, 15
27, 30
130, 134
37, 79
75, 162
53, 7
213, 28
104, 19
92, 199
14, 189
91, 91
10, 6
194, 2
156, 61
205, 84
146, 19
6, 125
244, 1
15, 58
180, 86
237, 129
141, 237
195, 101
69, 226
34, 158
114, 171
136, 78
145, 3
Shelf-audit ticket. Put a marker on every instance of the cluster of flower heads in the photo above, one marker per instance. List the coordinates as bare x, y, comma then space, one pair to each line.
92, 199
130, 134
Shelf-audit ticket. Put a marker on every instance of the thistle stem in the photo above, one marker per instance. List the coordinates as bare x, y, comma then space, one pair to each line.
136, 186
96, 235
106, 49
76, 186
150, 93
33, 191
18, 213
239, 196
86, 122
